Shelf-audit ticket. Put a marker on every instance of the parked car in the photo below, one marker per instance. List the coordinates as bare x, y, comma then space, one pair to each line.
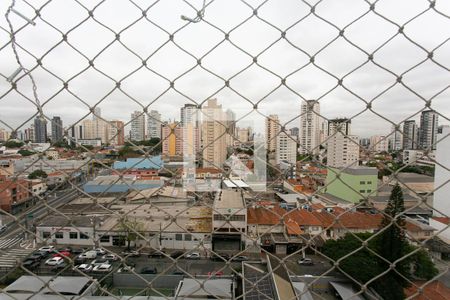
125, 269
305, 261
77, 251
66, 249
102, 268
30, 264
54, 261
240, 258
99, 261
89, 254
156, 253
60, 266
84, 268
99, 251
215, 273
193, 255
62, 254
37, 256
149, 270
110, 257
47, 248
176, 254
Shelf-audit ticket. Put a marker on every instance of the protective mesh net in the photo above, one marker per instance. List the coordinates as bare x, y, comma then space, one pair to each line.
191, 223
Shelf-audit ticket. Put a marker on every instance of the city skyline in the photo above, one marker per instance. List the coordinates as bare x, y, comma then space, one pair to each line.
310, 83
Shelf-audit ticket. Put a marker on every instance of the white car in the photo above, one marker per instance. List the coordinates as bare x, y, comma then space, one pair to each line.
83, 268
110, 257
88, 254
47, 248
102, 268
99, 251
193, 255
54, 261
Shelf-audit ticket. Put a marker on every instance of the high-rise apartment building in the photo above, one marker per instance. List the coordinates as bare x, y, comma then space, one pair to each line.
116, 133
172, 139
342, 147
214, 139
295, 132
395, 139
243, 135
310, 126
272, 130
379, 143
137, 132
40, 130
441, 200
4, 135
154, 124
95, 129
286, 148
428, 129
57, 129
410, 133
29, 134
190, 117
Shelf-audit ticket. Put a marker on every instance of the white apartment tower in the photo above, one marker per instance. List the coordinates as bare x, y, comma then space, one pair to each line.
342, 147
441, 198
137, 132
410, 135
190, 119
214, 141
154, 124
395, 139
272, 130
286, 148
310, 127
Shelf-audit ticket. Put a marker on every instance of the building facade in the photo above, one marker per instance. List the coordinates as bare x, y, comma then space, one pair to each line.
286, 148
410, 135
137, 132
342, 147
379, 143
40, 130
272, 130
428, 129
441, 202
310, 127
154, 124
214, 137
57, 129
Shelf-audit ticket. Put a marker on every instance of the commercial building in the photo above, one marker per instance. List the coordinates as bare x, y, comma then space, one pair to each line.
310, 126
57, 129
286, 148
40, 130
140, 167
14, 194
214, 137
441, 202
428, 129
410, 134
272, 130
418, 157
137, 132
154, 124
229, 220
353, 184
342, 147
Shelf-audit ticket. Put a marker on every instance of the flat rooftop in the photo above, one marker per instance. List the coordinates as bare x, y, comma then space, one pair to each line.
358, 170
229, 199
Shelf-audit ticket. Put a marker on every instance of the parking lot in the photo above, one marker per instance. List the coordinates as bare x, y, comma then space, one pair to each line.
320, 266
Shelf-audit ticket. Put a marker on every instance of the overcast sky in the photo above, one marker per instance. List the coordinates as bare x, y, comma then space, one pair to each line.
254, 85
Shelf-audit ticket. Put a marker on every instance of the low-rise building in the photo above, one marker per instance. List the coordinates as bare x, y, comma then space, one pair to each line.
14, 194
352, 184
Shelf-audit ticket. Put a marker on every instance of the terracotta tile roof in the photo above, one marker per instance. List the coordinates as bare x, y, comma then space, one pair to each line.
304, 217
208, 170
350, 220
264, 215
433, 291
292, 227
442, 220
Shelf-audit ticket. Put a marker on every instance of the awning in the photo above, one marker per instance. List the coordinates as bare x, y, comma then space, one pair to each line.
345, 290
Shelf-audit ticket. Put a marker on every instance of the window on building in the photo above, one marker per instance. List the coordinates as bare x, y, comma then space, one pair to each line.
73, 235
46, 235
187, 237
362, 182
369, 182
427, 233
362, 191
83, 236
104, 239
369, 191
178, 237
59, 235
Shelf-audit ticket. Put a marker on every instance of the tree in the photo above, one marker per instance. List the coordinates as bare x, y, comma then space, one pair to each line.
392, 245
25, 152
130, 229
37, 174
13, 144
